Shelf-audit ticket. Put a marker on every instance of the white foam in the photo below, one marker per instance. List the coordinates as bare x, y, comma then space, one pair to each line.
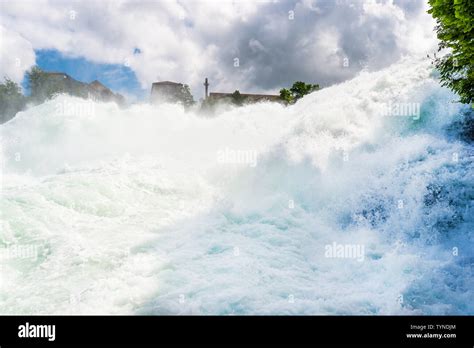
134, 212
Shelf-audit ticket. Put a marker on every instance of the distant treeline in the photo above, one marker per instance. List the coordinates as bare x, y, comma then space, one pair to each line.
297, 91
11, 100
43, 86
287, 96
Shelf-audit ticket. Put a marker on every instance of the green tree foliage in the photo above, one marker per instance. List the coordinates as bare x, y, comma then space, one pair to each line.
185, 96
300, 89
44, 85
34, 78
286, 95
11, 100
39, 90
237, 98
455, 30
297, 91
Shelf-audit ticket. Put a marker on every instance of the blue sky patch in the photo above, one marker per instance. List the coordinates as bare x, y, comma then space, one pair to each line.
118, 77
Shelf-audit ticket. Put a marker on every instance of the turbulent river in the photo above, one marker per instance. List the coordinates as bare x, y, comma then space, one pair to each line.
154, 210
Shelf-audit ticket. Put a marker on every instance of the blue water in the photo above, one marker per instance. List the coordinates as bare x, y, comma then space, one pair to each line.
154, 210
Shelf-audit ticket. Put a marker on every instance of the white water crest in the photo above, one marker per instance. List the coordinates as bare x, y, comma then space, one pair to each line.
154, 210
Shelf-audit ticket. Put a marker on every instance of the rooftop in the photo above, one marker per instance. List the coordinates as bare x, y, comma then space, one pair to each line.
57, 73
167, 83
220, 94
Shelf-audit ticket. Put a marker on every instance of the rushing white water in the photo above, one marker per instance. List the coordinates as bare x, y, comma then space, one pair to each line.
153, 210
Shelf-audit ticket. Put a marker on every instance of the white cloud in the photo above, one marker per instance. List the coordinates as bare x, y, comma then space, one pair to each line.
16, 55
187, 41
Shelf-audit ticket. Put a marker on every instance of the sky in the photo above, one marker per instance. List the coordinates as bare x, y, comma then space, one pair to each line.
245, 45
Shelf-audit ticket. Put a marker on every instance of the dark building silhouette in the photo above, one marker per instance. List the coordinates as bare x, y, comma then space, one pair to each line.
214, 97
166, 92
247, 97
58, 82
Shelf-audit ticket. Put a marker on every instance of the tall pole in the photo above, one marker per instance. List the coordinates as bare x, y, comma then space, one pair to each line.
206, 84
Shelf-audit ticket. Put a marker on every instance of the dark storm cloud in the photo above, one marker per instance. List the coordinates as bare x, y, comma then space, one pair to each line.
275, 49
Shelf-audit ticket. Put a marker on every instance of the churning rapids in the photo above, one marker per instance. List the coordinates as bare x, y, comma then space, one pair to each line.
153, 210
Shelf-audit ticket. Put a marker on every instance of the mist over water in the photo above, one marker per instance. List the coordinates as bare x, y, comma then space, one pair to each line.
153, 210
